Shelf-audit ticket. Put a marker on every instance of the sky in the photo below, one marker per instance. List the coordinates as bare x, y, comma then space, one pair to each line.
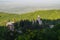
27, 5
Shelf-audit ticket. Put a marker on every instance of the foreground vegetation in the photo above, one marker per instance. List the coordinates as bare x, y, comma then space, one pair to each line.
32, 31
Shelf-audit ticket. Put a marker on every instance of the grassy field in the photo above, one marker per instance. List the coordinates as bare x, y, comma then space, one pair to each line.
44, 14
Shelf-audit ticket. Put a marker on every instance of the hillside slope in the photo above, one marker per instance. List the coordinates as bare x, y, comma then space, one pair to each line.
44, 14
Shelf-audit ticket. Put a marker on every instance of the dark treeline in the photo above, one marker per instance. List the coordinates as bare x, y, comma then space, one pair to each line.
33, 31
29, 24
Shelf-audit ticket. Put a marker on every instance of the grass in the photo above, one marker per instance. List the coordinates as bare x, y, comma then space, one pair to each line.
44, 14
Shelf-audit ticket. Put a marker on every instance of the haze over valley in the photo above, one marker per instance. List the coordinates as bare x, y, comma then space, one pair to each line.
22, 6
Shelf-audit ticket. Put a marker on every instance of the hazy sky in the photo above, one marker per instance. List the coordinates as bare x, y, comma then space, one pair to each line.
24, 5
29, 2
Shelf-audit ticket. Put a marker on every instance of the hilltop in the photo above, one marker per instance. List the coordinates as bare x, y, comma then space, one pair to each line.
44, 14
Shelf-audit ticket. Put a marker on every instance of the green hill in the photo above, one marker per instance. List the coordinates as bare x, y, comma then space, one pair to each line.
44, 14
